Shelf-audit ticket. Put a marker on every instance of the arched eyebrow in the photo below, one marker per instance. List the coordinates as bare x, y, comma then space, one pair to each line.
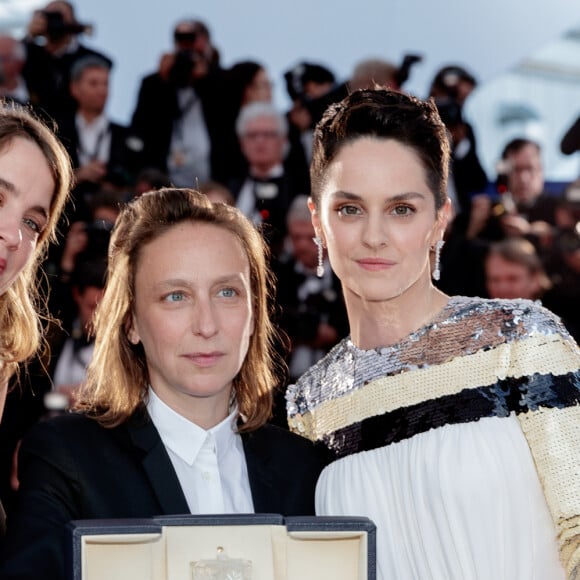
339, 194
226, 279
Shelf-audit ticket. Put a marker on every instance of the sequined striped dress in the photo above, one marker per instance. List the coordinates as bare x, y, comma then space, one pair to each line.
462, 443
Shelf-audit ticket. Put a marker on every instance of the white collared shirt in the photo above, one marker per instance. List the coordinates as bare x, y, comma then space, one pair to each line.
189, 161
94, 139
210, 465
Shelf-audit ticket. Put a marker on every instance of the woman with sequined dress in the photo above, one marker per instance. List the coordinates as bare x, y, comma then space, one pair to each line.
455, 421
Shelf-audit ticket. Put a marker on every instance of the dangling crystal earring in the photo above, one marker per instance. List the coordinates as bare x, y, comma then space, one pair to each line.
436, 274
320, 267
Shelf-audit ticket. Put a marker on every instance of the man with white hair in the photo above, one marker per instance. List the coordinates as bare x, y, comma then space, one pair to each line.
268, 189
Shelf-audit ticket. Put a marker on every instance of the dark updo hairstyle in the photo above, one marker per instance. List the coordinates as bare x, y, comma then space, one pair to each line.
383, 114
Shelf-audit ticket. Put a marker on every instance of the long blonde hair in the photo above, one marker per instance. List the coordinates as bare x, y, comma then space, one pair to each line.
117, 378
20, 305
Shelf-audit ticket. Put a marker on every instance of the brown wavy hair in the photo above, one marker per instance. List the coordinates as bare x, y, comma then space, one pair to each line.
117, 378
21, 305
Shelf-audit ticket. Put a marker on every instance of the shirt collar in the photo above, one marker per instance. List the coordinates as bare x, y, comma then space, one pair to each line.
184, 437
99, 123
276, 171
69, 48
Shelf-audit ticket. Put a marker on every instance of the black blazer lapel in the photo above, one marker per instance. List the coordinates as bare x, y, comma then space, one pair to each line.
265, 494
157, 465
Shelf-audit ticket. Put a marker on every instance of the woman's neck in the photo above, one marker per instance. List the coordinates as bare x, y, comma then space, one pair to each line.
384, 323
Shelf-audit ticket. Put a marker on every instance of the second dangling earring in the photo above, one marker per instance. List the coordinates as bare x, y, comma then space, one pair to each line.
320, 266
436, 274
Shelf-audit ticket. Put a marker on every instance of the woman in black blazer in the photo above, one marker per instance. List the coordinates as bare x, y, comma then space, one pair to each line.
173, 416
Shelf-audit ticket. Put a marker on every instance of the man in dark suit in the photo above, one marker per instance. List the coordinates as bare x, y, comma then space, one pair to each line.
179, 113
311, 307
52, 48
103, 153
468, 177
266, 192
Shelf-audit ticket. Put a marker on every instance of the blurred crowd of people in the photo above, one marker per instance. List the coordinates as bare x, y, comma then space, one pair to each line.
198, 124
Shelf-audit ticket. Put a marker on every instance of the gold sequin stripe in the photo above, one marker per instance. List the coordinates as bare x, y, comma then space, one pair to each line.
554, 439
540, 354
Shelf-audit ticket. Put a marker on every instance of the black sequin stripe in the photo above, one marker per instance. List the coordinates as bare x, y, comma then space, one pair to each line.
498, 400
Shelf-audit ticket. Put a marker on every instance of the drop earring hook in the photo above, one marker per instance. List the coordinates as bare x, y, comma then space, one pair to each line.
436, 274
320, 267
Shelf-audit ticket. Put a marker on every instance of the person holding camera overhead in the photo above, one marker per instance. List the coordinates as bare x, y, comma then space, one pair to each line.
52, 47
179, 110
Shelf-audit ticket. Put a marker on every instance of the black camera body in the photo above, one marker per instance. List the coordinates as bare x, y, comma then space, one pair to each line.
57, 28
190, 37
181, 73
182, 68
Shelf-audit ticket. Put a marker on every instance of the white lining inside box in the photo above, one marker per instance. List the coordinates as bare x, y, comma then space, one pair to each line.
275, 552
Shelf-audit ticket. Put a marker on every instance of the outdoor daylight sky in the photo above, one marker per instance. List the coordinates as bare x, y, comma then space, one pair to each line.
486, 36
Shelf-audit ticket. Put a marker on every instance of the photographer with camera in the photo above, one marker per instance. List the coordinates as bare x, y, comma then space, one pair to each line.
311, 87
179, 110
52, 47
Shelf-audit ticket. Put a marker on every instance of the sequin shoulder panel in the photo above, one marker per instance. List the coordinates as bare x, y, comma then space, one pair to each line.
478, 358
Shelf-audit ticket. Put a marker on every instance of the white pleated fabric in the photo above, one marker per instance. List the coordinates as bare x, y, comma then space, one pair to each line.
461, 502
